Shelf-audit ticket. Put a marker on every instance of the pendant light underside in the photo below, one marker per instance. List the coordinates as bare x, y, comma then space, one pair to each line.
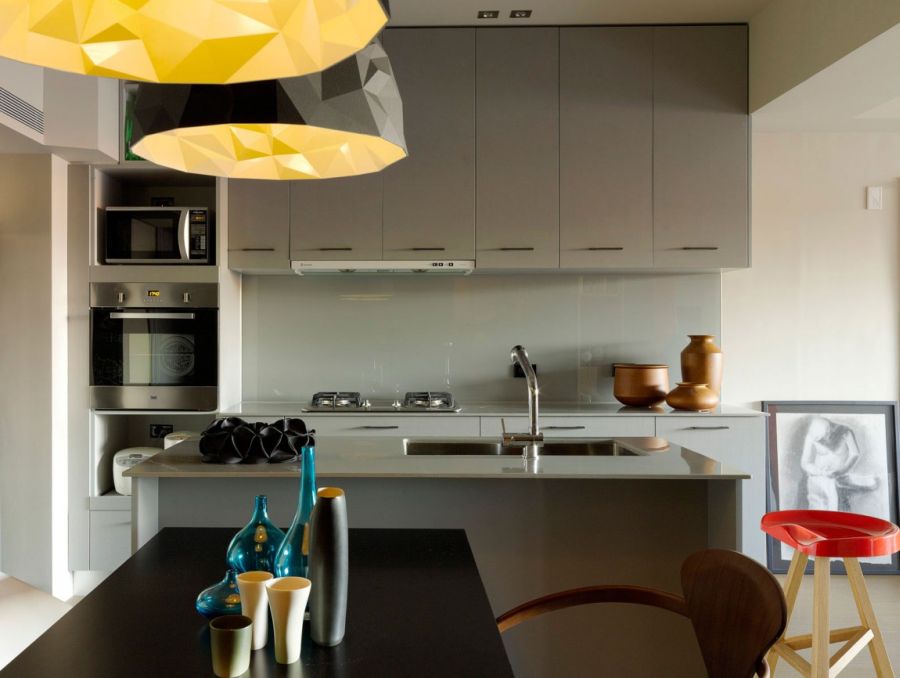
269, 151
188, 41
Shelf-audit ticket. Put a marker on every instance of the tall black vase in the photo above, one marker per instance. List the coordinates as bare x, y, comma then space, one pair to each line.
328, 567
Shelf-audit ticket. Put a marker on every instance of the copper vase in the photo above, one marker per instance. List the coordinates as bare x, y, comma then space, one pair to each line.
693, 397
701, 362
640, 385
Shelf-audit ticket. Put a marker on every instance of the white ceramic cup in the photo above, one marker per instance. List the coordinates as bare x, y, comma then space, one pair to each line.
254, 603
287, 601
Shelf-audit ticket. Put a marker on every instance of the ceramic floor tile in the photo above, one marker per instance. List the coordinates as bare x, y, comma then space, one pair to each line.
25, 613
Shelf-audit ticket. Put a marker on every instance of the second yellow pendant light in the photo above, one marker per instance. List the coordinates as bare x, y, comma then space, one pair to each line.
188, 41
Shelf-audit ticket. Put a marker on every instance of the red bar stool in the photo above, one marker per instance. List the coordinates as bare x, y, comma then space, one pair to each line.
825, 535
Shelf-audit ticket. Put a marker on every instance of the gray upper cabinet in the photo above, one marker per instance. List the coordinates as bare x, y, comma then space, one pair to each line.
336, 219
517, 113
258, 225
701, 147
429, 197
606, 147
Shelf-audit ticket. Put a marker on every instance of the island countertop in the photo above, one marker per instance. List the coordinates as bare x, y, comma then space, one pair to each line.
359, 457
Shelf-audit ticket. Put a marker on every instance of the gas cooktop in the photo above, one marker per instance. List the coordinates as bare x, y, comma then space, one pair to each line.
413, 402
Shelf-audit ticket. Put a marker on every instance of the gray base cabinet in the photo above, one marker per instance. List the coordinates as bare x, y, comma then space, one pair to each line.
517, 121
700, 147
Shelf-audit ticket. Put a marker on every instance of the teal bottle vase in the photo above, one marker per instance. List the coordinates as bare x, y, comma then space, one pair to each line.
255, 546
292, 559
221, 598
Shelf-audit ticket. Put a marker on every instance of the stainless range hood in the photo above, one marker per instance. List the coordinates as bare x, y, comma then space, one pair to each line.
429, 267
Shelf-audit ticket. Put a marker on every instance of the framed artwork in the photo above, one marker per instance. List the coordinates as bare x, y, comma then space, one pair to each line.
834, 456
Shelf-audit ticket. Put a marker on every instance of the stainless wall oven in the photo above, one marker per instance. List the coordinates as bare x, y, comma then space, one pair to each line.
154, 346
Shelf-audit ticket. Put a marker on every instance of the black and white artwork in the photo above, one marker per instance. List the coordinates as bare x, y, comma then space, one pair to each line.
833, 457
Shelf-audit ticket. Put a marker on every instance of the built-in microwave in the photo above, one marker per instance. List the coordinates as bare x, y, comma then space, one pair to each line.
154, 346
156, 235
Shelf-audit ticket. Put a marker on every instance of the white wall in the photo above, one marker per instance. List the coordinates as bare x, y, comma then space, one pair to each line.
388, 335
816, 318
33, 319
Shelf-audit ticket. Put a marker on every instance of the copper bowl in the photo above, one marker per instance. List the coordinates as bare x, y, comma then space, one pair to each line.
641, 385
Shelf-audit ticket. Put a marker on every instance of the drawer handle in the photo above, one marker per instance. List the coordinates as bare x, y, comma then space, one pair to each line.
427, 249
252, 249
564, 428
700, 249
377, 428
604, 249
516, 249
708, 428
335, 249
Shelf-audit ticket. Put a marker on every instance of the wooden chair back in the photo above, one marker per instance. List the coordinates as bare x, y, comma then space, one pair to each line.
737, 609
735, 605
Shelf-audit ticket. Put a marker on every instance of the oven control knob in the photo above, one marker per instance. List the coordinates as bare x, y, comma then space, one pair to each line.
186, 297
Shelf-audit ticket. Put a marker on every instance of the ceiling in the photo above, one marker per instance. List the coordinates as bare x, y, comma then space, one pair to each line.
860, 92
552, 12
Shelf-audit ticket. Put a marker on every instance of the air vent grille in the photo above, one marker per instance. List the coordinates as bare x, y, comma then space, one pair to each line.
19, 109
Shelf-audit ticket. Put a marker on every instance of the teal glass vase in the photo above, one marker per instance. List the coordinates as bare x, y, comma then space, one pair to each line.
255, 546
292, 559
221, 598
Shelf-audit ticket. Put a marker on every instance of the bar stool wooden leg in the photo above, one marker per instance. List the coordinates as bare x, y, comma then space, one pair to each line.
867, 616
821, 663
791, 589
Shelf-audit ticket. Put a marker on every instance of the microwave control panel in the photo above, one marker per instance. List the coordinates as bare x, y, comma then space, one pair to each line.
198, 235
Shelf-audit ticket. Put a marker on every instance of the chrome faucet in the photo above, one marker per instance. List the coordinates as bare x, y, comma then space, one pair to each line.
534, 436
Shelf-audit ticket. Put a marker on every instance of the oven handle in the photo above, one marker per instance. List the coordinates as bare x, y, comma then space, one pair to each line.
184, 230
138, 315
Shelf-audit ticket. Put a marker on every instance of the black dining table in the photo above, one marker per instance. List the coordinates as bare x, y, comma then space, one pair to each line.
417, 607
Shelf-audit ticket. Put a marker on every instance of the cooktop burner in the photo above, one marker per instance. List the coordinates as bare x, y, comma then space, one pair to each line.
413, 401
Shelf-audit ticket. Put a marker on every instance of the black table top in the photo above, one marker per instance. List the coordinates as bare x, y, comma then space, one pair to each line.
417, 607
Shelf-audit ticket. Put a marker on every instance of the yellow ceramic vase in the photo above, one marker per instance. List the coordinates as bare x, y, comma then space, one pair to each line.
693, 397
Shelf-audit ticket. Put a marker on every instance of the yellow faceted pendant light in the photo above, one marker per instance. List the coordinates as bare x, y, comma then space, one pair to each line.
188, 41
344, 121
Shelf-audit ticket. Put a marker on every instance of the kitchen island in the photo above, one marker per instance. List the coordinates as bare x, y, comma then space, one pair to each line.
533, 528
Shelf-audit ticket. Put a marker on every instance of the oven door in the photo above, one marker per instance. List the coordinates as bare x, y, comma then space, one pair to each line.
146, 236
154, 359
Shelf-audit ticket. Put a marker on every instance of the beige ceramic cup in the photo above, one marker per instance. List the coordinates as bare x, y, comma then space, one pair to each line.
254, 603
229, 638
287, 601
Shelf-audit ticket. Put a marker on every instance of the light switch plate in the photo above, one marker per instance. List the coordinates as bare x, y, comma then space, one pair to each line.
874, 198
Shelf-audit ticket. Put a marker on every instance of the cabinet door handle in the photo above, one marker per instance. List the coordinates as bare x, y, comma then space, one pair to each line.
700, 249
252, 249
335, 249
427, 249
564, 428
604, 249
708, 428
376, 428
516, 249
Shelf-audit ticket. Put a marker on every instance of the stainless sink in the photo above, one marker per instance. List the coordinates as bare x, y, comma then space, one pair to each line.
560, 448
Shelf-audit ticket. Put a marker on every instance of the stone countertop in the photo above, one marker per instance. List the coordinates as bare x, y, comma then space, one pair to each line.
498, 409
386, 458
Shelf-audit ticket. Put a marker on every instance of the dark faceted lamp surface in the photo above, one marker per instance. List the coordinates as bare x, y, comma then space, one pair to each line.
344, 121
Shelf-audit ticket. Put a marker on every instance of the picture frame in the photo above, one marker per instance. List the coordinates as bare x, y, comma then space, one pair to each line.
832, 455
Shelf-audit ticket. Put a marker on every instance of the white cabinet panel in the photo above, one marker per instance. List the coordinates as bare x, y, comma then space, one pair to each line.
110, 539
740, 443
424, 425
574, 427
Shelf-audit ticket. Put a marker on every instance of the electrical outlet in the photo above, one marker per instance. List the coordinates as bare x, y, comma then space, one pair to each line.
874, 198
520, 14
519, 374
160, 430
489, 14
